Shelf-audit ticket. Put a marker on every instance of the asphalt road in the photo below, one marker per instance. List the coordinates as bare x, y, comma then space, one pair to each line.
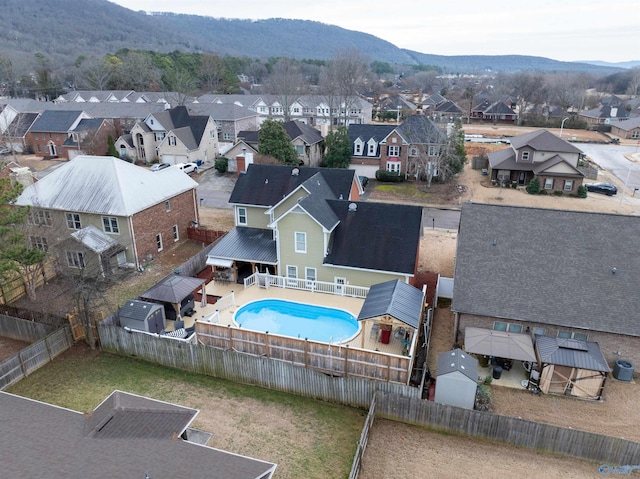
440, 218
612, 159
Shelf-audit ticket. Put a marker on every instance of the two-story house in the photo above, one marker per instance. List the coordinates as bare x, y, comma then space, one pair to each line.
539, 154
496, 112
406, 149
97, 213
48, 134
171, 136
90, 137
307, 223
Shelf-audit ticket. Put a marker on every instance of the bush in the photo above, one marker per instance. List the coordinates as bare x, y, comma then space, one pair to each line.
389, 177
484, 401
558, 193
221, 164
533, 188
582, 191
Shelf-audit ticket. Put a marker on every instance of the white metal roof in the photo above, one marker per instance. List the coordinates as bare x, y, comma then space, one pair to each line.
105, 185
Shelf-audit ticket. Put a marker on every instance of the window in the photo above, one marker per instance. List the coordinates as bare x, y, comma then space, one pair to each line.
110, 224
242, 216
38, 148
508, 327
39, 242
226, 136
393, 166
292, 275
167, 205
159, 136
301, 242
176, 233
357, 148
413, 151
538, 331
73, 221
525, 156
548, 183
212, 134
75, 259
159, 241
569, 335
393, 150
300, 150
371, 148
635, 134
568, 185
310, 274
35, 136
39, 218
434, 150
172, 140
499, 326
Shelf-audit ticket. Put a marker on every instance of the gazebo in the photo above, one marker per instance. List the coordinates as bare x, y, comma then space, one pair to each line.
394, 308
174, 290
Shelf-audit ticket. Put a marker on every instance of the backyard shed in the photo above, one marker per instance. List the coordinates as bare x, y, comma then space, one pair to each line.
142, 316
393, 307
456, 379
571, 367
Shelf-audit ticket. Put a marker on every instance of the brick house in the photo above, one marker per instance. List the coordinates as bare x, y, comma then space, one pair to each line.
403, 149
49, 133
98, 213
538, 154
565, 274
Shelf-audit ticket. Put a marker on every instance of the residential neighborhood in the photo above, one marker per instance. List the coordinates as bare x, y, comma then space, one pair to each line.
257, 270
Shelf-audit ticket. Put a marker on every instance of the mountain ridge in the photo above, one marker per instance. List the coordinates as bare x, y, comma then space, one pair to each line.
63, 30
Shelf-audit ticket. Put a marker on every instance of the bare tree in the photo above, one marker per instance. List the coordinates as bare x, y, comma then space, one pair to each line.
345, 76
212, 70
287, 84
529, 89
137, 72
634, 82
96, 73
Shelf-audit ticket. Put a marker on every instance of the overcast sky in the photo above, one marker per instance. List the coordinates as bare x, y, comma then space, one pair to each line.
569, 30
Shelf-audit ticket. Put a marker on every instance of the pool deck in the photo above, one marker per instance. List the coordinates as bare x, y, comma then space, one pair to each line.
364, 339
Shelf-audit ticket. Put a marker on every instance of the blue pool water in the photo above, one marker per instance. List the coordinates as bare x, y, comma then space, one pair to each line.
298, 320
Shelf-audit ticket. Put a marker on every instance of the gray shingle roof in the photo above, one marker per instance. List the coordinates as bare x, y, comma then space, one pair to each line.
549, 266
125, 436
55, 121
172, 289
375, 236
420, 130
543, 140
138, 310
458, 360
394, 298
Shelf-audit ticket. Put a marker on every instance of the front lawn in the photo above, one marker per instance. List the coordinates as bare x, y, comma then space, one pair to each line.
306, 438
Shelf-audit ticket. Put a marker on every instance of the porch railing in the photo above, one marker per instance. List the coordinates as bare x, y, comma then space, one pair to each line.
268, 280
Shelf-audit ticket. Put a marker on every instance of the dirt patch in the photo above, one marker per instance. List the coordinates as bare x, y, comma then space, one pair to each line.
9, 347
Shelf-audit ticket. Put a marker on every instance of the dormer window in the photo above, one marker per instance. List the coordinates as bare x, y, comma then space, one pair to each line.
525, 156
371, 148
357, 148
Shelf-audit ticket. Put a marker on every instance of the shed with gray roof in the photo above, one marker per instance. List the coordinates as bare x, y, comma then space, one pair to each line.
457, 379
142, 316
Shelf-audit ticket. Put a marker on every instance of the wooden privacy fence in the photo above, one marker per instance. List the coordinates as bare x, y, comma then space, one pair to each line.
14, 288
203, 234
327, 358
22, 329
244, 368
42, 317
362, 444
510, 430
34, 356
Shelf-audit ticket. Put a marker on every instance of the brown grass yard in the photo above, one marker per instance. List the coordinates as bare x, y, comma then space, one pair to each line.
306, 438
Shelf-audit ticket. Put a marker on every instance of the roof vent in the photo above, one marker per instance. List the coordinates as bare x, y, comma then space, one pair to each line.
353, 207
266, 181
295, 172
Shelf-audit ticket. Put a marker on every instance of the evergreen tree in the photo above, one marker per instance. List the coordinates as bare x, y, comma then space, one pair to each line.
16, 255
338, 149
274, 141
111, 148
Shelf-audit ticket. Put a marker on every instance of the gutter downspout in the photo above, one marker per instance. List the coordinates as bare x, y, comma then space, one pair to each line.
133, 243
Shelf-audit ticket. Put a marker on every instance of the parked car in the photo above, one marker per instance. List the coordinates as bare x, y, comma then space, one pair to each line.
188, 167
604, 188
4, 151
364, 181
159, 166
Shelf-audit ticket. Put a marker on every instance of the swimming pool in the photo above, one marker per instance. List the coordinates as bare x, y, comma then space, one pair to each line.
299, 320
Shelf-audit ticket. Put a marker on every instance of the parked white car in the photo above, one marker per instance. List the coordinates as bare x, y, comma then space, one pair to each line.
188, 167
